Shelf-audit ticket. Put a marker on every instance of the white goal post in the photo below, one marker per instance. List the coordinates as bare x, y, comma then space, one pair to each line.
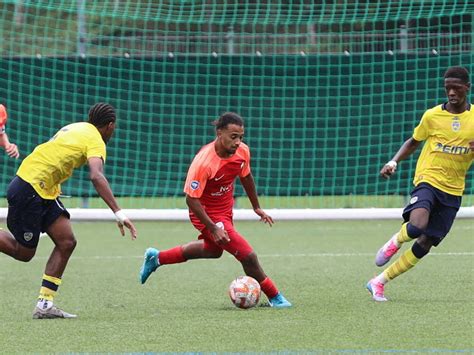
102, 214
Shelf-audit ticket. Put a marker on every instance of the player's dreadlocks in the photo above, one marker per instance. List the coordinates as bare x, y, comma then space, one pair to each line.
458, 73
101, 114
228, 118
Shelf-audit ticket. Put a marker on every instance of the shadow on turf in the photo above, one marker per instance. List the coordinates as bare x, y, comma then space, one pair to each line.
260, 305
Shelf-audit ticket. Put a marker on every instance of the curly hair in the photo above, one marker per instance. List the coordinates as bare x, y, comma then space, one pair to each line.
228, 118
101, 114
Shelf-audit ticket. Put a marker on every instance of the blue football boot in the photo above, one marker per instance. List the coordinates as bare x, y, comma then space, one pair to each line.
150, 264
279, 301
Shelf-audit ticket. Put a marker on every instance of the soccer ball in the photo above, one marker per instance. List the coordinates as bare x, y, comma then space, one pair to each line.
244, 292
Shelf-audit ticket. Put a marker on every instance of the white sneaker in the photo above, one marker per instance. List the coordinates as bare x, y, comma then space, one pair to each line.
51, 313
376, 289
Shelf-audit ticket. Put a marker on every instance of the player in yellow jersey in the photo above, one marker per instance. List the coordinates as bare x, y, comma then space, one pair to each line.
34, 206
10, 148
448, 152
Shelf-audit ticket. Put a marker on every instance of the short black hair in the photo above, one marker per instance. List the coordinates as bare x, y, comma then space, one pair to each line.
458, 73
228, 118
101, 114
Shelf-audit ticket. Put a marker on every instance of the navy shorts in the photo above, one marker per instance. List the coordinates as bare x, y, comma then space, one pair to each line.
29, 214
441, 206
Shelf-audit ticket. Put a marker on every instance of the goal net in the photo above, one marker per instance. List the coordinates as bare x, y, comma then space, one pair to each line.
328, 91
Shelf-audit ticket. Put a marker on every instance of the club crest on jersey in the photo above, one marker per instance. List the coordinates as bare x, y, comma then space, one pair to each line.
194, 185
456, 124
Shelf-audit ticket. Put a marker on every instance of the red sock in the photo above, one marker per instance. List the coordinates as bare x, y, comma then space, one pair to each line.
268, 287
171, 256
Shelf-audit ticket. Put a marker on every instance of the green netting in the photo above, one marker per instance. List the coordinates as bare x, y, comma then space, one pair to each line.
329, 91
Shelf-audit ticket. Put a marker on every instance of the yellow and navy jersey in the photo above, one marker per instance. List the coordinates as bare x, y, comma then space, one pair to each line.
53, 162
445, 158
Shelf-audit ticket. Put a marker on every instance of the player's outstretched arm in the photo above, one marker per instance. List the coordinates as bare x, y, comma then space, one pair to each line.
249, 186
102, 187
407, 149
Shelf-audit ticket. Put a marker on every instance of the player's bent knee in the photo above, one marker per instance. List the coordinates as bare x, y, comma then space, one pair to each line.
213, 254
425, 242
414, 231
68, 244
250, 260
419, 219
72, 244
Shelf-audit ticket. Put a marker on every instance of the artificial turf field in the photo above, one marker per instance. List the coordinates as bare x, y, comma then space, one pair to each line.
321, 267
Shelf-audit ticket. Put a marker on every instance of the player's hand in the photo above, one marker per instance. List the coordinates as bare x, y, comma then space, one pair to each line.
388, 169
12, 151
127, 223
471, 145
265, 218
219, 234
122, 220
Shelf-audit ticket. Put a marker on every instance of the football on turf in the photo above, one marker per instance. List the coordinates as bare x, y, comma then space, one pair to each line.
244, 292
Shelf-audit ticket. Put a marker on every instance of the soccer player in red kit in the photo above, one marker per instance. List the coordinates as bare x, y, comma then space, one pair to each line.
209, 190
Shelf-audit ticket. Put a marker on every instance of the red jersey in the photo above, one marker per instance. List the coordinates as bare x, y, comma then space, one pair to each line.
211, 179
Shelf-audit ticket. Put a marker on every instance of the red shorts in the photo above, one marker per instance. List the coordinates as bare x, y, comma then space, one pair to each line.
238, 246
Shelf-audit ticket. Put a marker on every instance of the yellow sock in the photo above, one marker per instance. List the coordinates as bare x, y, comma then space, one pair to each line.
404, 263
49, 286
402, 235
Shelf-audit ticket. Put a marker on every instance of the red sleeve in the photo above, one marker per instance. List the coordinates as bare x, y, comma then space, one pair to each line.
245, 151
201, 169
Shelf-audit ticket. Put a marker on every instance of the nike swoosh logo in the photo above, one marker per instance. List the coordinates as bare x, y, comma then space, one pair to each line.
220, 177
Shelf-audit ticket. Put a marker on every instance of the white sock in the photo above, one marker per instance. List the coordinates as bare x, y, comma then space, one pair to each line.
381, 278
44, 304
395, 240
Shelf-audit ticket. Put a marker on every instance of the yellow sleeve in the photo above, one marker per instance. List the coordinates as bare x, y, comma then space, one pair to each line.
96, 148
421, 132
